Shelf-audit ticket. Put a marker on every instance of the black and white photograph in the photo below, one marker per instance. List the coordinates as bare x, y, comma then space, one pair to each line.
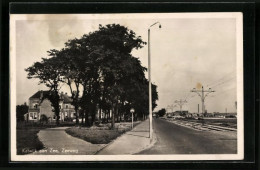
129, 86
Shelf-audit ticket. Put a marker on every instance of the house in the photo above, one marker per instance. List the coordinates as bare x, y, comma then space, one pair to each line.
38, 105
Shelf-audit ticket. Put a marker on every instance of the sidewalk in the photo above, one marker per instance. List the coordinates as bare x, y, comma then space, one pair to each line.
131, 142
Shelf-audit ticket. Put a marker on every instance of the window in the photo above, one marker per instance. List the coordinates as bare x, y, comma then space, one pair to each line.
33, 115
66, 114
67, 106
35, 105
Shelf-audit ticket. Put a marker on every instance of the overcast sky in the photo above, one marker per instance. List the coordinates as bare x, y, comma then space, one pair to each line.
186, 53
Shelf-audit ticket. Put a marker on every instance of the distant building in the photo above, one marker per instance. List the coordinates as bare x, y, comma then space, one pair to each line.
208, 114
224, 115
38, 105
177, 113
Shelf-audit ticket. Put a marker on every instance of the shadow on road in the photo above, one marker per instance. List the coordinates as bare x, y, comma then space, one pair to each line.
140, 131
143, 136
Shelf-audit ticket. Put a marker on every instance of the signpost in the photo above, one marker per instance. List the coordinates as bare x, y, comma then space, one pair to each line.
132, 110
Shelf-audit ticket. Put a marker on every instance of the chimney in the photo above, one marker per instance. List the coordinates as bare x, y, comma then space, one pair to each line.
61, 95
41, 95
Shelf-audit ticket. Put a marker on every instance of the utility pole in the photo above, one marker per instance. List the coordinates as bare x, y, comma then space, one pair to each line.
180, 103
203, 94
150, 82
171, 107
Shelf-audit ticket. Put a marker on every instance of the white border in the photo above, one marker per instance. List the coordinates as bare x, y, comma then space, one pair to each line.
240, 103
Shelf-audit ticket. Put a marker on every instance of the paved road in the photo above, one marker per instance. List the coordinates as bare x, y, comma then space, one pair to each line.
57, 142
175, 139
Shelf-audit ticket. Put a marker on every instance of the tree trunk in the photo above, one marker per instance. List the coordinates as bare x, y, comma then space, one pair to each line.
117, 113
107, 114
82, 117
93, 114
86, 117
57, 119
120, 115
113, 117
57, 113
99, 116
77, 116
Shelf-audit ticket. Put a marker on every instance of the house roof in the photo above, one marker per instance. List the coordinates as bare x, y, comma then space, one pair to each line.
63, 96
38, 94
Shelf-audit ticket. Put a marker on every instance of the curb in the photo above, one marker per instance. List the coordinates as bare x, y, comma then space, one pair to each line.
154, 140
103, 147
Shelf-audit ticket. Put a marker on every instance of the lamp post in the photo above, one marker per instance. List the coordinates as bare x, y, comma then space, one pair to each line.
132, 110
150, 83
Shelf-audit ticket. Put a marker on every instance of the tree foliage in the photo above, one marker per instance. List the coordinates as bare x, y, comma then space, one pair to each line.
161, 112
20, 111
103, 72
49, 73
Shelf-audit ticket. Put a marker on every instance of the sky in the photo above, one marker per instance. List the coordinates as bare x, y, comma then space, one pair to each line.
186, 53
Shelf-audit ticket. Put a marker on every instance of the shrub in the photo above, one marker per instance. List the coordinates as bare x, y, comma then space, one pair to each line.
68, 119
43, 118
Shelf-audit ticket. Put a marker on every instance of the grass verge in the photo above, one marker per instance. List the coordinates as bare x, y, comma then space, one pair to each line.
28, 141
94, 136
99, 135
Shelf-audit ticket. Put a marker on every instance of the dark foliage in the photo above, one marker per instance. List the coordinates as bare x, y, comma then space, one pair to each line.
20, 111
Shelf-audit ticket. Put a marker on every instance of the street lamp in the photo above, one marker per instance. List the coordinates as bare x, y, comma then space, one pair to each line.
132, 110
149, 77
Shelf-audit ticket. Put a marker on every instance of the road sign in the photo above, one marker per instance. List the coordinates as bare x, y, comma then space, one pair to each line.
132, 110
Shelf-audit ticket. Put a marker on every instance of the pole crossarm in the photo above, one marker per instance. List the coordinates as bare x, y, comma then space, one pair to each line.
203, 94
180, 103
171, 107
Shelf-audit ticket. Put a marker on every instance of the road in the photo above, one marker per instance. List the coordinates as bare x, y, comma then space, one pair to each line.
176, 139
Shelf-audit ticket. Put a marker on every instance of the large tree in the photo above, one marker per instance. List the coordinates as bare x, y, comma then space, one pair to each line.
106, 56
49, 73
98, 66
88, 74
71, 71
114, 44
20, 111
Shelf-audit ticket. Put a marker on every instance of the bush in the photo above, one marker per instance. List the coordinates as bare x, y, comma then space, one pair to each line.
43, 118
68, 119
